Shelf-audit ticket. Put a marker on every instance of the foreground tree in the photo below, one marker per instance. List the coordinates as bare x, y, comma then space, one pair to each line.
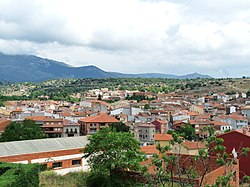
109, 151
188, 132
170, 168
25, 130
119, 127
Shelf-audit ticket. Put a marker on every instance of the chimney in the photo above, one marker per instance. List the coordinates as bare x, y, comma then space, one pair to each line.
244, 131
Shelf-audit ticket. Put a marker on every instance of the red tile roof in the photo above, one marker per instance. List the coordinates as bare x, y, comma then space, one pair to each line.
102, 118
220, 123
163, 137
3, 124
193, 145
150, 149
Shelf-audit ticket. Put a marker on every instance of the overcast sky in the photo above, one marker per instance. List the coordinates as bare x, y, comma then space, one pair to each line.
132, 36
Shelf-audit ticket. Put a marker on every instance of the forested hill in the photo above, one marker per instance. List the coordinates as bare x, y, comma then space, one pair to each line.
29, 68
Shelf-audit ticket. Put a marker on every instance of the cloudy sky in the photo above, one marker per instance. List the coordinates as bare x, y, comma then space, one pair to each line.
132, 36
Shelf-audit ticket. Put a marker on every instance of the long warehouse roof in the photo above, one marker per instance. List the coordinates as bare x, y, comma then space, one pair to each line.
41, 145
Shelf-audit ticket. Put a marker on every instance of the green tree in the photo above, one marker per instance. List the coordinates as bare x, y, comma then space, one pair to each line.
25, 130
109, 151
188, 132
119, 127
147, 106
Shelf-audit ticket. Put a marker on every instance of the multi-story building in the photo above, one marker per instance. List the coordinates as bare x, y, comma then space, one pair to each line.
92, 124
145, 133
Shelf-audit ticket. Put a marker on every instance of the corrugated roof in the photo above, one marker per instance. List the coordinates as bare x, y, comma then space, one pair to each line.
41, 145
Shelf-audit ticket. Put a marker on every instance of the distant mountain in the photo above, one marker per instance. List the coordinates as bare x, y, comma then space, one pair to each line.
29, 68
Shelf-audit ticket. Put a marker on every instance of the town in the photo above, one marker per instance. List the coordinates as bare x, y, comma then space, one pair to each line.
151, 118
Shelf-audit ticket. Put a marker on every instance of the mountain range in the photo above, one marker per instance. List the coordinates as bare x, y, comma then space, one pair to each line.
30, 68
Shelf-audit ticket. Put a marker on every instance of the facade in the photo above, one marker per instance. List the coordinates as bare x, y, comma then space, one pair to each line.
163, 139
221, 127
70, 129
92, 124
145, 133
235, 120
63, 155
57, 127
161, 126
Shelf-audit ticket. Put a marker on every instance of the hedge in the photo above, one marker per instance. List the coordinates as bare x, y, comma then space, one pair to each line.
19, 175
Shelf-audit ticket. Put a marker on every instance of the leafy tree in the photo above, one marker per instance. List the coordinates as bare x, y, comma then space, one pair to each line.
169, 169
25, 130
109, 151
146, 106
188, 132
119, 127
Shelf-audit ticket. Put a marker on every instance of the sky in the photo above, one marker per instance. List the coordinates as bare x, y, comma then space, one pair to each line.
132, 36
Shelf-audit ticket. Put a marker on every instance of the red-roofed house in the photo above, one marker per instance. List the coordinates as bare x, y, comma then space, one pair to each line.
161, 126
163, 139
90, 125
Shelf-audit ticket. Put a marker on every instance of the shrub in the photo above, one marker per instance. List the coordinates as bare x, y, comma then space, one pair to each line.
21, 175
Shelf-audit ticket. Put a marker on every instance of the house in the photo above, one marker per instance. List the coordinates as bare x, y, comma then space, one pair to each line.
57, 127
63, 155
53, 127
161, 126
188, 147
235, 120
197, 108
145, 133
238, 139
90, 125
220, 127
246, 112
70, 128
149, 150
199, 125
163, 139
3, 124
95, 105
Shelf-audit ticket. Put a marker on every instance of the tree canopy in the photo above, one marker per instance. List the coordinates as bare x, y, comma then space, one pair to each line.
25, 130
188, 132
119, 127
110, 150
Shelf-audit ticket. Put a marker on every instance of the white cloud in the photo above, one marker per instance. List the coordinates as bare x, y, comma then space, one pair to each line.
178, 37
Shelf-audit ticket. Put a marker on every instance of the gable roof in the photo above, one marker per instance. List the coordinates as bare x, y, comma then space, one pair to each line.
102, 118
163, 137
193, 145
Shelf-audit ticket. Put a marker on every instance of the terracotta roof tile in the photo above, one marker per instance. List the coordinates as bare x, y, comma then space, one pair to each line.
163, 137
102, 118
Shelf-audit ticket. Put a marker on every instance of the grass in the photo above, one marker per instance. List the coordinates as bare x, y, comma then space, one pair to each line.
51, 179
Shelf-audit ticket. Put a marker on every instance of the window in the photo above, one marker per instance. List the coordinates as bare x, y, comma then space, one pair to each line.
76, 162
57, 165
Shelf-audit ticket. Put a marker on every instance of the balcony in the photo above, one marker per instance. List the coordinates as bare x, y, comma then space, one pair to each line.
71, 132
53, 130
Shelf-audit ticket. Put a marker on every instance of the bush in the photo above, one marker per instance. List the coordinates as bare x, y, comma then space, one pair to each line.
21, 175
52, 179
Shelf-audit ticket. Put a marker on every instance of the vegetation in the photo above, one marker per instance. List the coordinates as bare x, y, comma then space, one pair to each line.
188, 132
119, 127
64, 89
21, 175
109, 152
51, 179
25, 130
170, 169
